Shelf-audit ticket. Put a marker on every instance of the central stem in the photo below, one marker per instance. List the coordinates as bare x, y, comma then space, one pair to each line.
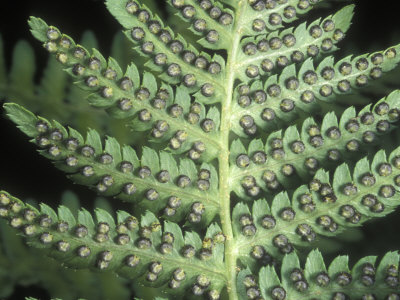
223, 159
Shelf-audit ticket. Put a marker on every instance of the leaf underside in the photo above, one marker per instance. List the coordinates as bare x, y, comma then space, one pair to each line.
231, 169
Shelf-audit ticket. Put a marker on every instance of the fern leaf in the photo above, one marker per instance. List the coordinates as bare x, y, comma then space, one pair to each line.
292, 45
120, 50
127, 95
56, 97
23, 67
290, 157
155, 182
280, 99
366, 279
166, 50
271, 16
53, 83
323, 208
210, 20
131, 247
21, 265
202, 120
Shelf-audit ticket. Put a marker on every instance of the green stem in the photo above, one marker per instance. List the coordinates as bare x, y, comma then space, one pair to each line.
223, 159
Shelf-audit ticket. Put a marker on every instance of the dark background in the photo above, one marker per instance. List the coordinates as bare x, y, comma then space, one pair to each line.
24, 173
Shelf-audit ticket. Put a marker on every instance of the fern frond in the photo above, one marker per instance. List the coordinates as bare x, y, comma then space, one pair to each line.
279, 100
292, 157
268, 16
206, 156
170, 53
21, 265
55, 96
121, 50
127, 95
156, 182
293, 45
366, 280
324, 207
211, 20
159, 254
23, 67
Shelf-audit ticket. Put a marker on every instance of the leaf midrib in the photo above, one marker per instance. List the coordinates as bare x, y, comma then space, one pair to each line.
223, 158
